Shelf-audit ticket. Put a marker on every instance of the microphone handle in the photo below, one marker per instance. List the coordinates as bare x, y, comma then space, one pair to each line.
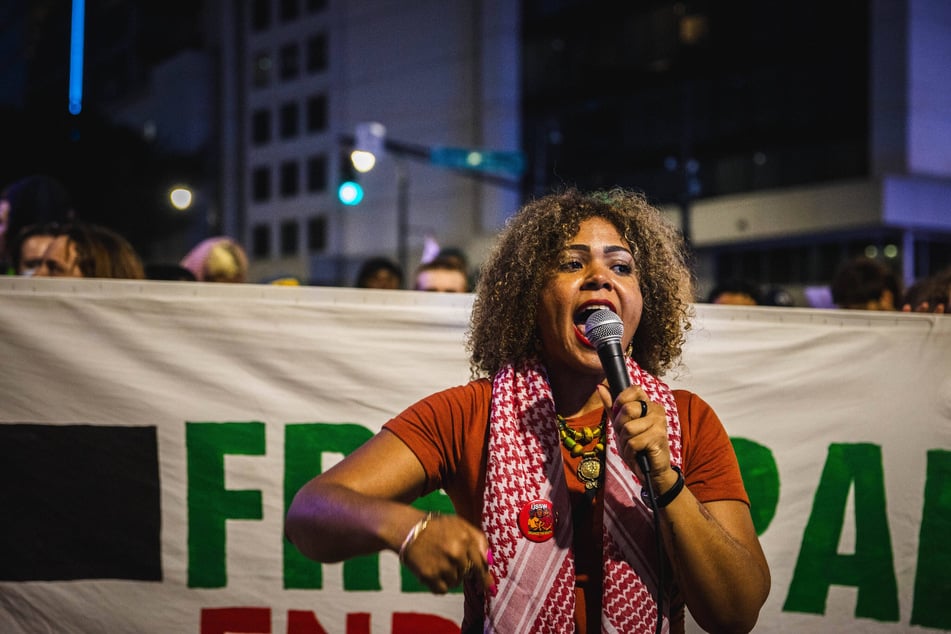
615, 369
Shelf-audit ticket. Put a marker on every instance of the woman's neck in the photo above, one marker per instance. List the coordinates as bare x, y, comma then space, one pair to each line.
575, 395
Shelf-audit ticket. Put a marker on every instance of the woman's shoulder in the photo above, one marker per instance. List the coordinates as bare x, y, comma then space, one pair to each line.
709, 461
691, 403
445, 430
477, 390
698, 420
451, 402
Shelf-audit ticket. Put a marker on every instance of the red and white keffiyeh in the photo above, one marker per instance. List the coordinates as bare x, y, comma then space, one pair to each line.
536, 580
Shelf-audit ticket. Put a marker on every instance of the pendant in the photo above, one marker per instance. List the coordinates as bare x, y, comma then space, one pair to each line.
589, 471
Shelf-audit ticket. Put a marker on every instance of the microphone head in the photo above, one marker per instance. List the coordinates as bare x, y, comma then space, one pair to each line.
603, 327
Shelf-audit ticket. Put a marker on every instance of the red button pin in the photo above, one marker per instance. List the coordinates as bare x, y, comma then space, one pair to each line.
537, 520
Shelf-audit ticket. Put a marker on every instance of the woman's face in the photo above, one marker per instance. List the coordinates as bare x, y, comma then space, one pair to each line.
595, 269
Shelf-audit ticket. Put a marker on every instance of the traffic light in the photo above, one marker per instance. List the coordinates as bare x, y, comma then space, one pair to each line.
349, 191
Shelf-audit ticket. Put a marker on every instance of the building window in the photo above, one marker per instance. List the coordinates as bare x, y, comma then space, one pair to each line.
290, 181
317, 113
289, 120
260, 15
317, 53
261, 184
261, 241
315, 6
262, 69
289, 237
290, 62
261, 127
290, 10
317, 174
317, 234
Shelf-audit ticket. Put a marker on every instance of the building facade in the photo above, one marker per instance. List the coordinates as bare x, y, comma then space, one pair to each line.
297, 78
782, 138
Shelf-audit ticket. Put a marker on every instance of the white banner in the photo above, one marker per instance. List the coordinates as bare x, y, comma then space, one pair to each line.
152, 433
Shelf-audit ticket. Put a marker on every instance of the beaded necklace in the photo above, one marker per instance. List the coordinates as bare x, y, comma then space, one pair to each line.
575, 441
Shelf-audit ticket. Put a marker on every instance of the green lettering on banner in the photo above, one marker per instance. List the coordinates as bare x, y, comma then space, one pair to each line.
304, 446
871, 567
209, 503
761, 479
932, 579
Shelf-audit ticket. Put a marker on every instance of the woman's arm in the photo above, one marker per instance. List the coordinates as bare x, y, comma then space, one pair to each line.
718, 561
717, 558
362, 505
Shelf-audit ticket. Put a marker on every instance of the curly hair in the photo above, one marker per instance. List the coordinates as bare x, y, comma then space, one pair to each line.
502, 329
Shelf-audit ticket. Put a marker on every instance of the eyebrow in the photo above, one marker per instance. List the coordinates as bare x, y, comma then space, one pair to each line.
608, 249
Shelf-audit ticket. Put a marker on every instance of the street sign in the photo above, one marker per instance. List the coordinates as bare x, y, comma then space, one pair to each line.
478, 160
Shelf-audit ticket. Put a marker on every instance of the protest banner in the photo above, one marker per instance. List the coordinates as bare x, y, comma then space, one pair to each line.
153, 433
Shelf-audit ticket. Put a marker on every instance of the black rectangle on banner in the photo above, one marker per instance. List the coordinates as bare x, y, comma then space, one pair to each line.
79, 502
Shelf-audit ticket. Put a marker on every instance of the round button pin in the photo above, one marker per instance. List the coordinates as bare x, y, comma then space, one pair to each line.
537, 520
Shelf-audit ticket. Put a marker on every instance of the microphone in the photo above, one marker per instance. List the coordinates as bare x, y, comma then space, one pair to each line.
604, 329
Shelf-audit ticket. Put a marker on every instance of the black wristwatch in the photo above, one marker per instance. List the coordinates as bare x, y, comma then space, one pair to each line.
670, 494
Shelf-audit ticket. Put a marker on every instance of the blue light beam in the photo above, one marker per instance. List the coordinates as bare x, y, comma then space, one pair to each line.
76, 40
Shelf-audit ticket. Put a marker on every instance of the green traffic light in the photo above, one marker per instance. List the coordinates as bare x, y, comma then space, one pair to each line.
350, 193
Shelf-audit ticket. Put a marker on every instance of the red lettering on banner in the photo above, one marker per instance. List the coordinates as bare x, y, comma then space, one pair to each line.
303, 622
358, 623
258, 621
243, 620
413, 622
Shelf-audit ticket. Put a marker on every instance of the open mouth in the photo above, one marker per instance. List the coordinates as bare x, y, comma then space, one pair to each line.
582, 314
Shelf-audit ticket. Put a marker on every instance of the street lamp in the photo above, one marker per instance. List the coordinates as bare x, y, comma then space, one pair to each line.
500, 168
181, 197
368, 144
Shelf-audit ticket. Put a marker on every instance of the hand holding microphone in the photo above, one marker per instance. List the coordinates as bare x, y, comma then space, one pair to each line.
604, 330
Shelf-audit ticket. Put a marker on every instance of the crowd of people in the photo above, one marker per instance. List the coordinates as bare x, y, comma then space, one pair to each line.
861, 283
42, 234
446, 272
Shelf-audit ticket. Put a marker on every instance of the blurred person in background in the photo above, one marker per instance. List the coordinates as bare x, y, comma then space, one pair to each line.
32, 200
442, 275
866, 284
776, 296
460, 257
380, 272
931, 294
738, 292
217, 259
88, 250
27, 251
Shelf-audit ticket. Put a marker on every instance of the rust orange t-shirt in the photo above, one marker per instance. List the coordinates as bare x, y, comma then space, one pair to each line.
449, 431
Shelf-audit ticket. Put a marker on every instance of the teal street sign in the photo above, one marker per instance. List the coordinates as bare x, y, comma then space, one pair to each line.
478, 160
